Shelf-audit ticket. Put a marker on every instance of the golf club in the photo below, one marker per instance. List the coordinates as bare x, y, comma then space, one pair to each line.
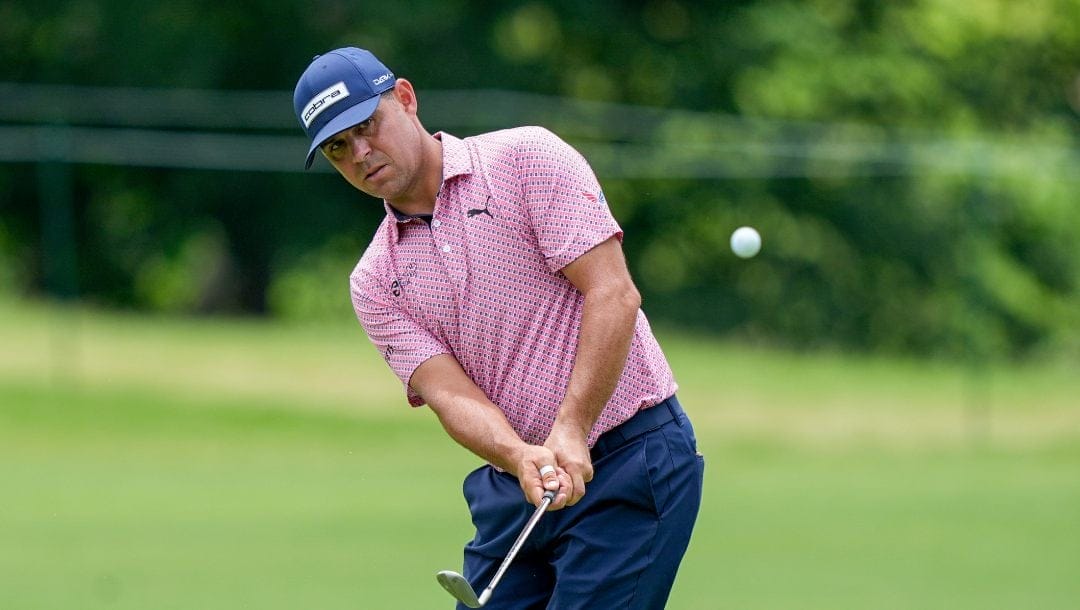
460, 588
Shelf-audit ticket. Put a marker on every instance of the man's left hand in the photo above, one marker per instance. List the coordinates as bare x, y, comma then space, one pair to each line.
571, 449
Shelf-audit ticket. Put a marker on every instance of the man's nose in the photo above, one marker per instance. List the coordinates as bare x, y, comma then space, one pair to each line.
361, 147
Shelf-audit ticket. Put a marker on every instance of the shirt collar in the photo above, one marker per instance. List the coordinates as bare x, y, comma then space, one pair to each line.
400, 217
456, 158
456, 162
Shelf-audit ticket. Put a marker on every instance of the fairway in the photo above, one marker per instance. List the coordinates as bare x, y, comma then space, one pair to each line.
210, 464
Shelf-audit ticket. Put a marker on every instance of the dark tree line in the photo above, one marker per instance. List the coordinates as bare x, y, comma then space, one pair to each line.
911, 165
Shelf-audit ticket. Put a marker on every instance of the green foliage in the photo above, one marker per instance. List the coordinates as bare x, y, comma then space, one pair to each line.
316, 286
910, 165
195, 278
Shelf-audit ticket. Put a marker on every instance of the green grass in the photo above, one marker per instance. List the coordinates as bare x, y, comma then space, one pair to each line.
209, 464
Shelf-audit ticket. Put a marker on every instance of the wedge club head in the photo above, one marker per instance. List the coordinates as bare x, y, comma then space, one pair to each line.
456, 585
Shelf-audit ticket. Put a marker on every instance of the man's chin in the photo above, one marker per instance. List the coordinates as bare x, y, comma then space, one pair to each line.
368, 190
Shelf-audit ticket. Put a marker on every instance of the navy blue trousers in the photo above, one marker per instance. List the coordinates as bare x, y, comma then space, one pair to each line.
619, 546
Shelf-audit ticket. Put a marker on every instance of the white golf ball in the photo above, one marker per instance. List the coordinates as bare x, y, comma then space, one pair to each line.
745, 242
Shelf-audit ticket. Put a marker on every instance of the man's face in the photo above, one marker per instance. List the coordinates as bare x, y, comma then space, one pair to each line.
380, 156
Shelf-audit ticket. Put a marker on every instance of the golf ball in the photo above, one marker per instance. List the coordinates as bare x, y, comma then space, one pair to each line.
745, 242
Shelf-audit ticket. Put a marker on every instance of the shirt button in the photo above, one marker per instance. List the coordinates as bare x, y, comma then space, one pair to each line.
446, 248
436, 223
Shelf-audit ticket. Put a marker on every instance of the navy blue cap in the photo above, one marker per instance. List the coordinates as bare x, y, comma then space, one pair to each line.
337, 91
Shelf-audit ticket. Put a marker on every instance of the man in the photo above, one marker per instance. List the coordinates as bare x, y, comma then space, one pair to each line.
497, 291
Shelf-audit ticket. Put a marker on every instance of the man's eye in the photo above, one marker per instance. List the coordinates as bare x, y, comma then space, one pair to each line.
334, 149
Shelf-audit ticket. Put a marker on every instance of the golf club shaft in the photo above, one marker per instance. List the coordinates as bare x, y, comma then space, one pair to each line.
539, 512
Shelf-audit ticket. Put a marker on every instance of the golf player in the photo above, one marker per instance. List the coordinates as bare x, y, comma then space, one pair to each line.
497, 291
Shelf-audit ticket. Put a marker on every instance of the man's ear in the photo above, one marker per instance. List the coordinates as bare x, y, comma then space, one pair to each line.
405, 95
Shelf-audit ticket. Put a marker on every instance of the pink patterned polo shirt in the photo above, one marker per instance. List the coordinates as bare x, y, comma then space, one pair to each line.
482, 282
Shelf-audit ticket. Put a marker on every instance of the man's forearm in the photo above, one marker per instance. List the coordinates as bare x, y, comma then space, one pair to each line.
607, 329
480, 426
608, 317
466, 414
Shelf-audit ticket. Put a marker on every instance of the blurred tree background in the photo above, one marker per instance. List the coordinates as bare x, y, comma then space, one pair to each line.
911, 165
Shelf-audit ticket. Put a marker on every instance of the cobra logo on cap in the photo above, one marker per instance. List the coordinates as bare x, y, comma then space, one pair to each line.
323, 100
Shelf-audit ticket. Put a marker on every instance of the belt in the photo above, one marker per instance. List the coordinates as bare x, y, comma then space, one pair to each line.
645, 420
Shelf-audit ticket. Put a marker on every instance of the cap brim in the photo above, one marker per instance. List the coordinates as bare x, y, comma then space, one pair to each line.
350, 117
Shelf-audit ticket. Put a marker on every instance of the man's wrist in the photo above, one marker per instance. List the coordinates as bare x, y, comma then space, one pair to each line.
514, 455
570, 424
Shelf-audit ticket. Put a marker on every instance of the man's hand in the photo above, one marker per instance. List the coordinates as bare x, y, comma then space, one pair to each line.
571, 450
538, 471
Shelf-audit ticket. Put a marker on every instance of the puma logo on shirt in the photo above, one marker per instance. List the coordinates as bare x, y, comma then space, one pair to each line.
483, 210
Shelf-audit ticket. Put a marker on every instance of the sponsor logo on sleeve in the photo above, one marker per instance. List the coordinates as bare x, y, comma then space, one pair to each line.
596, 197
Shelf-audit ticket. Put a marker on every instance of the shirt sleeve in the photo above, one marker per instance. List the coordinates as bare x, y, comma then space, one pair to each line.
563, 199
403, 342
